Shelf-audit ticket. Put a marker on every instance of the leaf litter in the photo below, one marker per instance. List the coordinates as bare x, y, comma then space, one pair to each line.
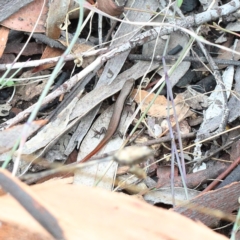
80, 103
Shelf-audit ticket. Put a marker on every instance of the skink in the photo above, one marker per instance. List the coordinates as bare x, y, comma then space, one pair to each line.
115, 119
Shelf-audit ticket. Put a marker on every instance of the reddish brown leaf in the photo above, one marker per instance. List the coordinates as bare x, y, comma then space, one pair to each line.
110, 7
26, 17
3, 39
48, 53
78, 212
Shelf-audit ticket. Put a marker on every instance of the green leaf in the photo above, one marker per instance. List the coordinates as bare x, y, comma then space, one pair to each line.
10, 83
179, 3
7, 84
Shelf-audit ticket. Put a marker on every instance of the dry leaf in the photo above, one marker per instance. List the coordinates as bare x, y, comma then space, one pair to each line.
50, 131
195, 99
48, 53
110, 7
222, 54
93, 213
9, 136
56, 16
3, 39
30, 89
90, 175
80, 48
26, 17
160, 107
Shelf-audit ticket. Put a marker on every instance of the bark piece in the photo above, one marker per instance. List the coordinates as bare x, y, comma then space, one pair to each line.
224, 199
